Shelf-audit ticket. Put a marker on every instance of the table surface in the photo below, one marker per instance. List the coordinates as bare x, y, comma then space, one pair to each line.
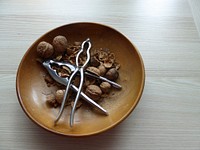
167, 34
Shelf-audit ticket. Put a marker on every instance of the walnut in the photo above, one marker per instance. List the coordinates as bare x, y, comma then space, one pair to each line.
112, 74
59, 96
50, 100
60, 44
102, 69
93, 70
94, 92
105, 87
45, 50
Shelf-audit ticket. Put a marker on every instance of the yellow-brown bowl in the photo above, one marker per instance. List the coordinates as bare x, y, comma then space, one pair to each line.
32, 89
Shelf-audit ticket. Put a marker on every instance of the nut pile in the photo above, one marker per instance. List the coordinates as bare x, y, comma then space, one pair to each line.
102, 63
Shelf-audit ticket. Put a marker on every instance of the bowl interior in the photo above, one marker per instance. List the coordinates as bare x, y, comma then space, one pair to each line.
32, 89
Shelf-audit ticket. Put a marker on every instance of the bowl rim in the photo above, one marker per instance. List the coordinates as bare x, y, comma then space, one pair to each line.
139, 95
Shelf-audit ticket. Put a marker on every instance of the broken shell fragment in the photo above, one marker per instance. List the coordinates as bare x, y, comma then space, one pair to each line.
108, 64
94, 61
102, 56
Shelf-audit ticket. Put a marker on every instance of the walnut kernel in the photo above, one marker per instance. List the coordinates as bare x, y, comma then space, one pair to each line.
94, 61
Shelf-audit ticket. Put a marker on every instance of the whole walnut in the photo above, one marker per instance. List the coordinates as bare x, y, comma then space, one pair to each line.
93, 70
105, 87
60, 44
50, 100
102, 69
59, 96
45, 50
94, 92
112, 74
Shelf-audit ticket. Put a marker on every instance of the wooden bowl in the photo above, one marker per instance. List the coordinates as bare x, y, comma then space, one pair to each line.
32, 89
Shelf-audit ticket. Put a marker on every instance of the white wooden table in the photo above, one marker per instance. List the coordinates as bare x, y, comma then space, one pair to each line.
166, 34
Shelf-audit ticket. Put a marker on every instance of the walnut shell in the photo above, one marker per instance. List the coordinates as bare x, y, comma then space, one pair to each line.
94, 92
77, 43
105, 87
51, 102
102, 69
89, 81
45, 50
59, 96
60, 44
112, 74
93, 70
108, 63
71, 50
94, 61
102, 55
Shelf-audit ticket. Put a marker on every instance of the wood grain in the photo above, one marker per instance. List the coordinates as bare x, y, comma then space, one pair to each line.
195, 4
166, 34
